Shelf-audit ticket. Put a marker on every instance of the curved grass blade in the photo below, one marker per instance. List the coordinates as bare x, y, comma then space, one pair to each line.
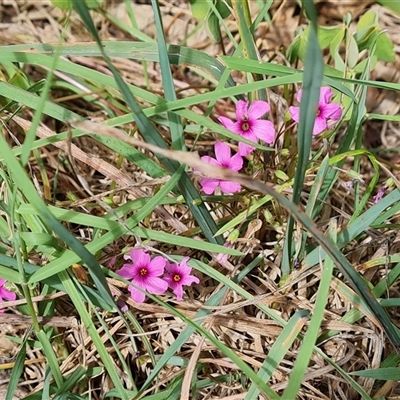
307, 347
17, 369
175, 123
312, 80
279, 349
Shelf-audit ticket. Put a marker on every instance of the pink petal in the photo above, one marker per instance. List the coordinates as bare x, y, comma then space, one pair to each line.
295, 113
230, 187
139, 257
2, 282
209, 185
189, 279
178, 291
331, 111
137, 295
264, 130
325, 95
299, 94
245, 149
156, 285
223, 153
235, 163
157, 266
241, 109
257, 109
227, 123
210, 160
6, 294
127, 271
320, 125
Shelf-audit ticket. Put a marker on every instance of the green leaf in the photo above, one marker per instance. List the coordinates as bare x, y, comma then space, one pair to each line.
213, 27
391, 5
384, 48
67, 4
326, 35
200, 8
383, 374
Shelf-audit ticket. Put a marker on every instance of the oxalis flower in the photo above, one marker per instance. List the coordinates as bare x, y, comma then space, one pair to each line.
327, 112
249, 125
5, 294
178, 275
223, 159
144, 273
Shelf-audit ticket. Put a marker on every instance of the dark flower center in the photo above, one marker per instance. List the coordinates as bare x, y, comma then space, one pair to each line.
245, 126
143, 271
245, 123
177, 278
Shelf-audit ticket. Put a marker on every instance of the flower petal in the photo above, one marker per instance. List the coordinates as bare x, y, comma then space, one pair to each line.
325, 95
241, 109
156, 285
137, 295
227, 123
331, 111
127, 271
230, 187
209, 185
139, 257
189, 279
235, 163
264, 130
222, 153
320, 125
245, 149
6, 294
157, 266
295, 113
258, 109
210, 160
299, 94
2, 282
178, 291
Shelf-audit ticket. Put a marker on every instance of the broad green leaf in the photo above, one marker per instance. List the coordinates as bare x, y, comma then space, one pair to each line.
200, 8
384, 48
327, 33
392, 5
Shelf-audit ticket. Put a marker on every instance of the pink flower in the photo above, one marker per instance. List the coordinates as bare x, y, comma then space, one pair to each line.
178, 275
144, 273
249, 125
327, 112
224, 159
5, 294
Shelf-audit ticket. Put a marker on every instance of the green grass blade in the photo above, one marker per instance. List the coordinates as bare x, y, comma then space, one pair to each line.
279, 349
17, 370
313, 73
310, 337
175, 124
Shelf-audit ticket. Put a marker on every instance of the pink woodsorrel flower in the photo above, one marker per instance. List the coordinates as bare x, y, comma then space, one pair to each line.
249, 125
178, 275
327, 112
144, 272
223, 159
5, 294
